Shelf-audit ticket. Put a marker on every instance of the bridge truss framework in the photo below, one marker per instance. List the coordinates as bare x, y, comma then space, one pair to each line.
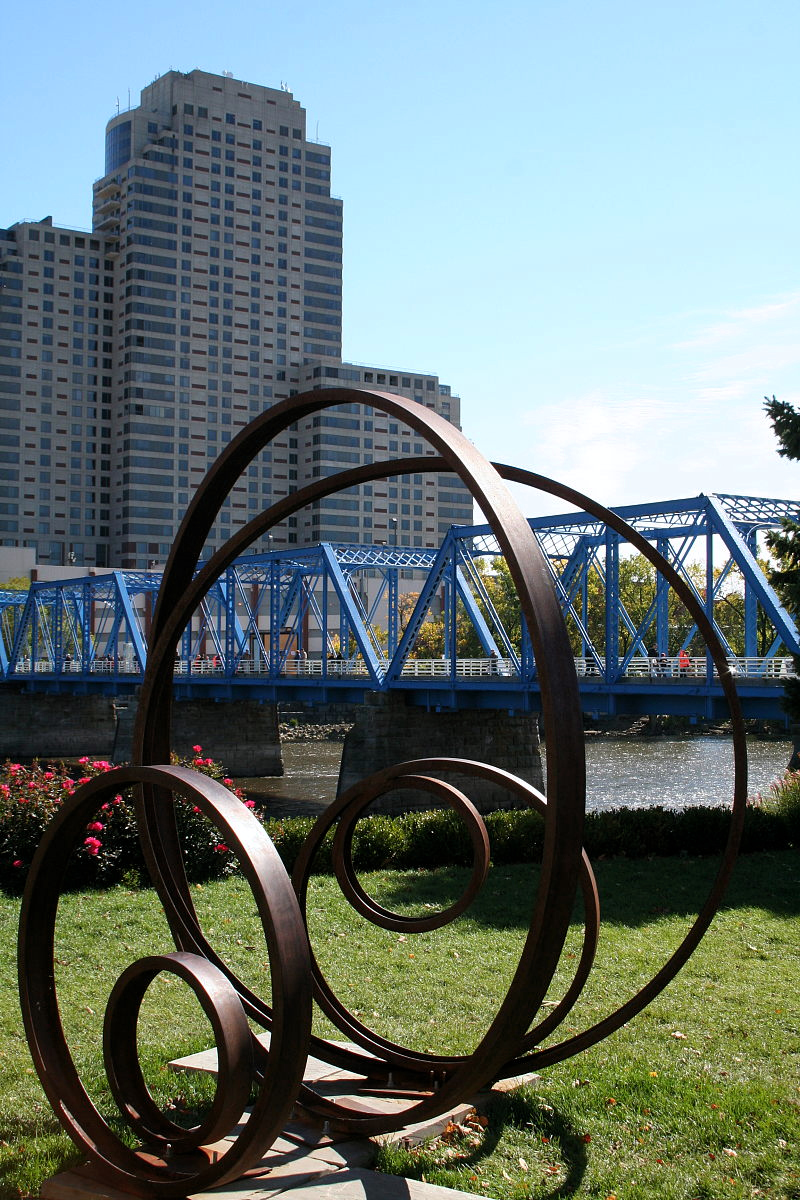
324, 623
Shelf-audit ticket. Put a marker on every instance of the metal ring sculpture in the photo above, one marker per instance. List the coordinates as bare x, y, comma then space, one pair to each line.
174, 1161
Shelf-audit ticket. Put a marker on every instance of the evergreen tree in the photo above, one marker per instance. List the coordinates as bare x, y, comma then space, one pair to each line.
785, 545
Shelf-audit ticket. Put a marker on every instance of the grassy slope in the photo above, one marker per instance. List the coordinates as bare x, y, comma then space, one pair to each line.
645, 1114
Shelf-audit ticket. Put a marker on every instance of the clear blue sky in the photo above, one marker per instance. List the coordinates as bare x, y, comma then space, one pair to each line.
582, 215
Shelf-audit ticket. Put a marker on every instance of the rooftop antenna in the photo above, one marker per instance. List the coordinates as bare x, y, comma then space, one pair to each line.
117, 105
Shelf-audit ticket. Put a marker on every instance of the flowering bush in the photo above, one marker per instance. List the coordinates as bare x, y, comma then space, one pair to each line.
30, 796
205, 854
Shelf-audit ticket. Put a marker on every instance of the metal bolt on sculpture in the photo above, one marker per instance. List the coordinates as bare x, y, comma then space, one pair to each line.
173, 1161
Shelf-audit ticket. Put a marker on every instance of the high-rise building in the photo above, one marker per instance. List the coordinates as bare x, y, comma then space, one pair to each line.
209, 287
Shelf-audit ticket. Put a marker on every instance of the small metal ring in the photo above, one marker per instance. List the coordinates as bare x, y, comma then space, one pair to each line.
356, 800
222, 1006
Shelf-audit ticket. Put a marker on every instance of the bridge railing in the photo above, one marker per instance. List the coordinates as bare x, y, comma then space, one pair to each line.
639, 668
689, 668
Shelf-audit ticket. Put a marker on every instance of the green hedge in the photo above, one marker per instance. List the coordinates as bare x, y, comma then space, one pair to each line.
109, 852
430, 839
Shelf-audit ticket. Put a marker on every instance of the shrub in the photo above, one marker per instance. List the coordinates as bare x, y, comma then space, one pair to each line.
110, 851
783, 801
31, 796
29, 799
515, 835
378, 841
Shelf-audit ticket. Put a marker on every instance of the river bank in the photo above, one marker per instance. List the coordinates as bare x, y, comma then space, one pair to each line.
650, 727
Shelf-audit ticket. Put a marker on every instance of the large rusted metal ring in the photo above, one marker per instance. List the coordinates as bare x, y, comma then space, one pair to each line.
532, 1058
181, 592
141, 1173
510, 1045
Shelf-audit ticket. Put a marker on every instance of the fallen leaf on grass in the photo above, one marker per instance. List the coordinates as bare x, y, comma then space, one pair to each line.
523, 1164
677, 1034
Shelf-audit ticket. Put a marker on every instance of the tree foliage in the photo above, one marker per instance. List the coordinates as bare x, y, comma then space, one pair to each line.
785, 577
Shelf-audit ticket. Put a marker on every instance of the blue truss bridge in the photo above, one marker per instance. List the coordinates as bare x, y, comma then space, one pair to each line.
335, 621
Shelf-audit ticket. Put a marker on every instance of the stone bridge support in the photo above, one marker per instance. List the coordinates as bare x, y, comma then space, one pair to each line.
241, 734
388, 731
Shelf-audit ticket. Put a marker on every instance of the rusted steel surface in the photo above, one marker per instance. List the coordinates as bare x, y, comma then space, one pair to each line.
172, 1161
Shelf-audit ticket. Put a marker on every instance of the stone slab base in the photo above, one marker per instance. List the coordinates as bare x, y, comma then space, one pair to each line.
306, 1160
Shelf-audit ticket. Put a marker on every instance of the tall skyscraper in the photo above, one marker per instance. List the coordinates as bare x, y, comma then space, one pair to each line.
209, 287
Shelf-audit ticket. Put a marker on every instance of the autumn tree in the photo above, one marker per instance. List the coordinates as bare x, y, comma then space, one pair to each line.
785, 577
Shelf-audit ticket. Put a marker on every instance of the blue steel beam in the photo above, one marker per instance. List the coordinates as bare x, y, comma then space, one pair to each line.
130, 619
764, 593
467, 579
429, 589
347, 605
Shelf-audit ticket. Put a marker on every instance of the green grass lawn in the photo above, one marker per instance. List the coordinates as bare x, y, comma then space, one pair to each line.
714, 1112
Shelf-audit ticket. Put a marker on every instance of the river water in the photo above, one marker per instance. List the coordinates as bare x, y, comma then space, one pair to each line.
635, 772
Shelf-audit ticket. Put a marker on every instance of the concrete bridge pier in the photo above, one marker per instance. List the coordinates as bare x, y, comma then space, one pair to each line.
241, 734
388, 731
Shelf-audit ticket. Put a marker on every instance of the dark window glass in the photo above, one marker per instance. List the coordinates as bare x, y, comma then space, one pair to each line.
118, 146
